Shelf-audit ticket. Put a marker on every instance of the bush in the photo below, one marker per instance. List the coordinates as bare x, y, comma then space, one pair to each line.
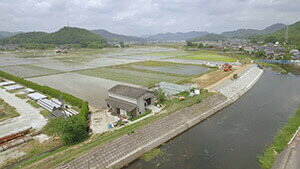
74, 130
160, 95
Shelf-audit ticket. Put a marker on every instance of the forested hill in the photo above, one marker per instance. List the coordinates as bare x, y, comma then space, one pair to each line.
5, 34
293, 34
66, 35
179, 36
112, 37
242, 33
209, 37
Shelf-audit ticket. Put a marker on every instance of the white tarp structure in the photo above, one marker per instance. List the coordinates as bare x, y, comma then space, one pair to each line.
7, 83
173, 89
28, 90
51, 105
36, 96
13, 87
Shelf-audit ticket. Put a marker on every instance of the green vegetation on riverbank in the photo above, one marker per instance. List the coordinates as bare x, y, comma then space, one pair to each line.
156, 152
7, 111
280, 141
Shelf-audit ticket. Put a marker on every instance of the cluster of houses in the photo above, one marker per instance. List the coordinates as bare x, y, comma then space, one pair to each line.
271, 50
9, 47
295, 54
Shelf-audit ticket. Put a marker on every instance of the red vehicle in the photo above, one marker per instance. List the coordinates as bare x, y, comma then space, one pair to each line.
226, 67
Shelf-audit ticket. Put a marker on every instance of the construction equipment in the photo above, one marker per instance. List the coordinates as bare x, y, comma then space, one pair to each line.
235, 76
226, 67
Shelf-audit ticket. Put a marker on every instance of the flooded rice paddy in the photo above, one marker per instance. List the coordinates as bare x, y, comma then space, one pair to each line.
234, 137
28, 70
88, 88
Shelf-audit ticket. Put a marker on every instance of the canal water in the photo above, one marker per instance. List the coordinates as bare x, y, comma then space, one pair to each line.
235, 136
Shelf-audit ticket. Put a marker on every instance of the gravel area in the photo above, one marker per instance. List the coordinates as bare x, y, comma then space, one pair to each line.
29, 116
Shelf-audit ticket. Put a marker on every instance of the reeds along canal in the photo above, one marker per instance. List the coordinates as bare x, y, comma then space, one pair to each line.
235, 136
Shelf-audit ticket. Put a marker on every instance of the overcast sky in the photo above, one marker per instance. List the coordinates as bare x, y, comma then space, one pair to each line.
141, 17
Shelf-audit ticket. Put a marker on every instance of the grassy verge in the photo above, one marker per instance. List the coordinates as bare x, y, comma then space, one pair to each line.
33, 103
7, 111
280, 141
140, 116
69, 153
45, 113
21, 96
274, 67
177, 104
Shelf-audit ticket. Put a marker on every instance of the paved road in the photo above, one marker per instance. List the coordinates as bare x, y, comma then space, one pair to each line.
29, 116
294, 161
289, 158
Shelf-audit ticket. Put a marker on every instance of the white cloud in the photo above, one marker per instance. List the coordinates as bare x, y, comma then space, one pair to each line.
137, 17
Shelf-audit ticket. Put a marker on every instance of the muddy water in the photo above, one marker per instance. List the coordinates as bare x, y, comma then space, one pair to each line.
232, 138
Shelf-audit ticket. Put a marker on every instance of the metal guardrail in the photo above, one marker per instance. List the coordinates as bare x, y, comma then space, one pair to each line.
295, 134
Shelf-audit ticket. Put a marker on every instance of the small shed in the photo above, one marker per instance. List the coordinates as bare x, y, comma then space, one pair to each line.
28, 90
7, 83
36, 96
13, 87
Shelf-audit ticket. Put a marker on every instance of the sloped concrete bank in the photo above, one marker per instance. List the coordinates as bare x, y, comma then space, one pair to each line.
127, 148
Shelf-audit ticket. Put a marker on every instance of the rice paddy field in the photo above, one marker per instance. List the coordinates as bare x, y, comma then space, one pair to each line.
88, 73
28, 70
208, 56
89, 88
129, 76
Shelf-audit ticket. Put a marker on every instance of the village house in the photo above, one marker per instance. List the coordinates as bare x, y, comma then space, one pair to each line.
249, 49
128, 101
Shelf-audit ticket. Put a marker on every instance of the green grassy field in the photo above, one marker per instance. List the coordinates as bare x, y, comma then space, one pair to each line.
7, 111
208, 56
129, 76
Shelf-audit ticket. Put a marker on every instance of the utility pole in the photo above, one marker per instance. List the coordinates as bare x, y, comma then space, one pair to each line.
286, 34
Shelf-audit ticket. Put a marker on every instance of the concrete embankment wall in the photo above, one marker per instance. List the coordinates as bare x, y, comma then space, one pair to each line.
127, 148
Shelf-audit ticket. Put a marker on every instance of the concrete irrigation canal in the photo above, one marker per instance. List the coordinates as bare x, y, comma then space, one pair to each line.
127, 148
